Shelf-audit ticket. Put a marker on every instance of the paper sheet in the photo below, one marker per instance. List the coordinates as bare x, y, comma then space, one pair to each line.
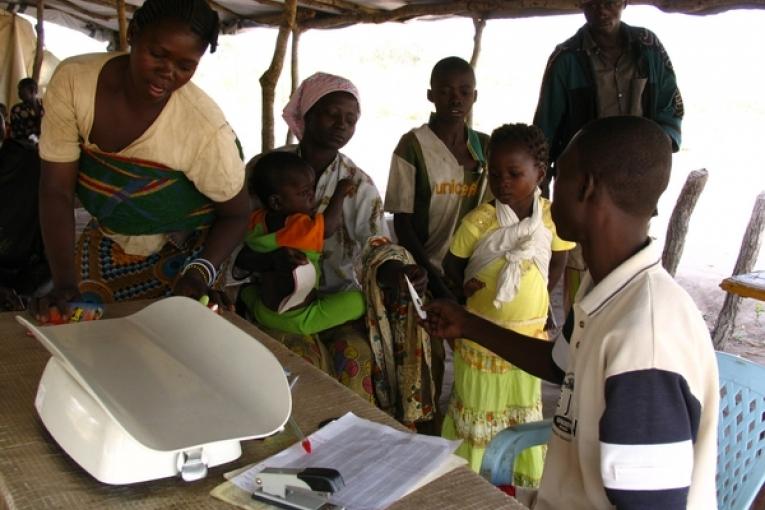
304, 278
416, 299
378, 463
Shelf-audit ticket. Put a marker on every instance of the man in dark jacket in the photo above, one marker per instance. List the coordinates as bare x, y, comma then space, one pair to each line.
607, 68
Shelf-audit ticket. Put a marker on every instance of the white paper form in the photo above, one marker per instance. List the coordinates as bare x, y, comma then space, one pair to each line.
378, 463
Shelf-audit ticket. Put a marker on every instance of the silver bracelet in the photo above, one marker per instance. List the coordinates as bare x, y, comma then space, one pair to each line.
203, 267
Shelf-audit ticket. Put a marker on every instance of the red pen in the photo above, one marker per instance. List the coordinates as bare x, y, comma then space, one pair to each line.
304, 441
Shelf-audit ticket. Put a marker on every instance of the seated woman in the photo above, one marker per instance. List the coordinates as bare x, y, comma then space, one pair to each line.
389, 361
150, 156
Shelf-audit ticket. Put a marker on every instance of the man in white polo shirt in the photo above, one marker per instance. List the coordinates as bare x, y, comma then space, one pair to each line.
636, 421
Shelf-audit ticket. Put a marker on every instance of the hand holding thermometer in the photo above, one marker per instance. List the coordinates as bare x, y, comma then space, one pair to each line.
416, 299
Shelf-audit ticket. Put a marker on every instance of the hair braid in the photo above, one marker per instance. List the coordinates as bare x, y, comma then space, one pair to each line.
530, 136
202, 20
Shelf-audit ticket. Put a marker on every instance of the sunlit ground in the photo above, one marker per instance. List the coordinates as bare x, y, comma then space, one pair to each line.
719, 60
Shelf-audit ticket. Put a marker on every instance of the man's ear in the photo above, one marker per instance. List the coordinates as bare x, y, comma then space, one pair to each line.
475, 96
430, 95
587, 187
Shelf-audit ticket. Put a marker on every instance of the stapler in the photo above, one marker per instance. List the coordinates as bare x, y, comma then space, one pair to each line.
296, 488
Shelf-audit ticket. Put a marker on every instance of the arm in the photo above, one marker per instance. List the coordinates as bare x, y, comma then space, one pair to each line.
449, 320
281, 259
226, 232
650, 420
668, 102
557, 267
57, 185
402, 223
454, 268
550, 110
333, 214
250, 260
14, 122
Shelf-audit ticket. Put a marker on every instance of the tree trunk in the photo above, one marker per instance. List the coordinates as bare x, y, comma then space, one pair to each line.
681, 216
40, 48
747, 256
270, 78
479, 24
122, 21
295, 73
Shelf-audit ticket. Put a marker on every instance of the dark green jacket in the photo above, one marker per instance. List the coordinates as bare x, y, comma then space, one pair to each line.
567, 99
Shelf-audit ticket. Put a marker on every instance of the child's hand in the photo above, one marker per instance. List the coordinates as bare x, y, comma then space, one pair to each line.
345, 187
472, 286
286, 259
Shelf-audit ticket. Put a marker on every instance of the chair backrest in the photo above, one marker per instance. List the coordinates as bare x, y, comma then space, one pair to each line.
740, 432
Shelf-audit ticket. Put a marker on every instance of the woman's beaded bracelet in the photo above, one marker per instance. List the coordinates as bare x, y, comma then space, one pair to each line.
210, 266
204, 267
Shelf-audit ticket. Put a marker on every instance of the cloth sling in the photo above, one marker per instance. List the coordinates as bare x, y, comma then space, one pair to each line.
135, 197
402, 373
516, 241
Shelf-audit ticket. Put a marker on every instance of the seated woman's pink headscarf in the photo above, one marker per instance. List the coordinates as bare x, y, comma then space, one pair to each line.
308, 93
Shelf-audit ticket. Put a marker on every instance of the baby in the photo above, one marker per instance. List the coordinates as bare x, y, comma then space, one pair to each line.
284, 183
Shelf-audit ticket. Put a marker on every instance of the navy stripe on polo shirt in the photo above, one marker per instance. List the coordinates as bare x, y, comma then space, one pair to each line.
647, 432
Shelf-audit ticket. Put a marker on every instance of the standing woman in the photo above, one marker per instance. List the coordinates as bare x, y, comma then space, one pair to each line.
150, 156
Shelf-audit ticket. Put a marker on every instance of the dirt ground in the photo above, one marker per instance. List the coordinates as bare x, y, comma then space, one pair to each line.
748, 340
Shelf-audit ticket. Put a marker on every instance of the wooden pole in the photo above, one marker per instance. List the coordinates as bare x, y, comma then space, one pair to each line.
122, 20
681, 216
270, 78
479, 24
37, 66
294, 73
747, 256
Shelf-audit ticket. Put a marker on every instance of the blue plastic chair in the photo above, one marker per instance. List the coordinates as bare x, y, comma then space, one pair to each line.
740, 432
498, 461
740, 441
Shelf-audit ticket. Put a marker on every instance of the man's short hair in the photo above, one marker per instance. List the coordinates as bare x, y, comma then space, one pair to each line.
631, 156
450, 65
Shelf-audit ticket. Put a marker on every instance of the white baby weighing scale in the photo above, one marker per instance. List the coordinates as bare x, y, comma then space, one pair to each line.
169, 390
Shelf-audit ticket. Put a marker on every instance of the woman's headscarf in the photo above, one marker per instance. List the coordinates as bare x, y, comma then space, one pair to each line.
308, 94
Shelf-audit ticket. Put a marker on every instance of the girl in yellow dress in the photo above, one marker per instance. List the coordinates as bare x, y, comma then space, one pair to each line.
507, 254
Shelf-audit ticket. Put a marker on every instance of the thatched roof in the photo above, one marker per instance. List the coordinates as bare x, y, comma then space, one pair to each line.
99, 18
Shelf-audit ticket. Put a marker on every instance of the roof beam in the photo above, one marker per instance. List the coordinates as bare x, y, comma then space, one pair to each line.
312, 6
516, 9
339, 13
113, 4
85, 12
217, 5
342, 5
88, 22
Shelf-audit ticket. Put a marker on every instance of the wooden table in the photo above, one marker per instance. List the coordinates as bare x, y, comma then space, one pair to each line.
36, 474
749, 285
